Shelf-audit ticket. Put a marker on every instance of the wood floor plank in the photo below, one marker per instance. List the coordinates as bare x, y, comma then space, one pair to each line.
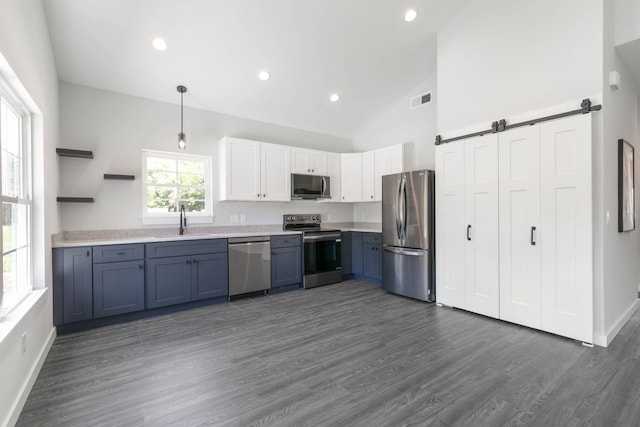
346, 354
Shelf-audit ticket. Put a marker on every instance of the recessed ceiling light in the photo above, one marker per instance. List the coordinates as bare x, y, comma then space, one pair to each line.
159, 43
264, 75
410, 15
334, 97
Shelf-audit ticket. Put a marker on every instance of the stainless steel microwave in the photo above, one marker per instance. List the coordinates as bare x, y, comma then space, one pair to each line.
310, 187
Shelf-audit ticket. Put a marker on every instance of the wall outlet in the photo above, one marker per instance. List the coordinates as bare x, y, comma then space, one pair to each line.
243, 218
233, 219
23, 343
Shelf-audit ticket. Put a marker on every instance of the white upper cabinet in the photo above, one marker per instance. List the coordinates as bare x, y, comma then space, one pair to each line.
253, 170
389, 160
351, 182
334, 171
274, 172
308, 162
368, 176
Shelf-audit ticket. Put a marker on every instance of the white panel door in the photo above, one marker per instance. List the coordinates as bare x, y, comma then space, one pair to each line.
566, 227
368, 176
351, 185
450, 228
275, 176
519, 182
242, 169
481, 278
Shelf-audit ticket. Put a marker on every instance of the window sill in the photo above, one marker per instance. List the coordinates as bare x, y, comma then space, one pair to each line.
164, 220
9, 322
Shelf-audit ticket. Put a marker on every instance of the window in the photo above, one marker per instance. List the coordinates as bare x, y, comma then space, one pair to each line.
171, 180
15, 146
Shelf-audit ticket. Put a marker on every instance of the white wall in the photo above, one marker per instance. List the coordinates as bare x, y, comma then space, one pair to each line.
626, 17
117, 127
401, 124
25, 46
621, 251
502, 58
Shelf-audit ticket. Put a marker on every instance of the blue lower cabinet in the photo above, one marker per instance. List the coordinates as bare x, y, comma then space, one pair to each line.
372, 261
209, 276
72, 285
286, 266
356, 253
118, 287
168, 281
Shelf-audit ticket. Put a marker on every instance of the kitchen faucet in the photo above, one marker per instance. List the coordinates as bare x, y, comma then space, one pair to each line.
183, 219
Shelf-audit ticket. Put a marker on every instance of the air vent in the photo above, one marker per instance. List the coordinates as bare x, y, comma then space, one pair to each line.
420, 100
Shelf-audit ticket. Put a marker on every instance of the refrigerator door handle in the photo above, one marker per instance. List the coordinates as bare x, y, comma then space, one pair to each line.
404, 208
397, 209
400, 251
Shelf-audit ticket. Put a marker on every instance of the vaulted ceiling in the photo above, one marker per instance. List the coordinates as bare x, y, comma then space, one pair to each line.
362, 50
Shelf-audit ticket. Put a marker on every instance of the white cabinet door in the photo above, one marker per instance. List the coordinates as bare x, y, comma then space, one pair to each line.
351, 177
239, 169
566, 227
368, 176
318, 162
334, 172
481, 218
519, 176
275, 176
450, 228
383, 167
308, 162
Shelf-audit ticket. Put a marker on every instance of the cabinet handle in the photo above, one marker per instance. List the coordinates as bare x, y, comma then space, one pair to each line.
88, 253
258, 194
468, 231
372, 197
313, 170
264, 195
120, 253
533, 230
195, 261
188, 261
141, 266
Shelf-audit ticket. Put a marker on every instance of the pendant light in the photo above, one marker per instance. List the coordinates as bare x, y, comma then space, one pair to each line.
182, 138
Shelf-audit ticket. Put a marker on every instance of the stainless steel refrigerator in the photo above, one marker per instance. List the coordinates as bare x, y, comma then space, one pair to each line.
408, 234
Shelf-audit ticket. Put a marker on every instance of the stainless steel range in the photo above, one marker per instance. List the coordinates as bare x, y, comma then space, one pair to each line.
322, 249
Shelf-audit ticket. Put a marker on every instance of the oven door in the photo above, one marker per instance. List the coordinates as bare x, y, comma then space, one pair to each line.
322, 259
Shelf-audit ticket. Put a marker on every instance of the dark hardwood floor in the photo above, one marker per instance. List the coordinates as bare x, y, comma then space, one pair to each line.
346, 354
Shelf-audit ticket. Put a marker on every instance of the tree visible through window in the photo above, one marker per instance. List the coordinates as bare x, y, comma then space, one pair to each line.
172, 180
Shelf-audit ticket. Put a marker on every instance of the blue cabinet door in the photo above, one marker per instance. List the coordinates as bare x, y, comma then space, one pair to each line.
356, 253
209, 276
77, 284
286, 266
118, 287
168, 281
372, 260
346, 251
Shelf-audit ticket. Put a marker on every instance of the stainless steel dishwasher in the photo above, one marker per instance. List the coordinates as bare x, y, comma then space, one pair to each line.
249, 265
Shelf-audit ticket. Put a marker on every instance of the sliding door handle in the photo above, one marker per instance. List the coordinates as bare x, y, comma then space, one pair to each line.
468, 232
533, 231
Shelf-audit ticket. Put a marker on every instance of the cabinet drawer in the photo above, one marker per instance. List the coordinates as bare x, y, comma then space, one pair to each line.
285, 241
113, 253
191, 247
372, 238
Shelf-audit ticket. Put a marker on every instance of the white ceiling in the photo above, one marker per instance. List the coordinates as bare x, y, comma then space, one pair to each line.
361, 49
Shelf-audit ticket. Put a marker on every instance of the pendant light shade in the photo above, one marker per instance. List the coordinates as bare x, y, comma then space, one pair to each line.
182, 138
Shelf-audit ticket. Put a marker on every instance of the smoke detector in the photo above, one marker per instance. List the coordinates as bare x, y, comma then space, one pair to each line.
420, 100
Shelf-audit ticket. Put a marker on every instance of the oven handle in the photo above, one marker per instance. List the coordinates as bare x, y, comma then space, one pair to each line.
336, 237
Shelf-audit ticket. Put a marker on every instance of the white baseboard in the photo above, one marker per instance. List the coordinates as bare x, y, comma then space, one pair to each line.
31, 379
605, 340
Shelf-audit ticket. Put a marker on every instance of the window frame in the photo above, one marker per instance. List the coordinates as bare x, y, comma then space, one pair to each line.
25, 198
171, 217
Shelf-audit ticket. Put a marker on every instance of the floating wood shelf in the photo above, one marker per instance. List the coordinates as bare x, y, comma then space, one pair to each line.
119, 177
75, 199
67, 152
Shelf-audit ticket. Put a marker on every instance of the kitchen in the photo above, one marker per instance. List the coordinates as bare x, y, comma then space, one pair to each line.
116, 127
